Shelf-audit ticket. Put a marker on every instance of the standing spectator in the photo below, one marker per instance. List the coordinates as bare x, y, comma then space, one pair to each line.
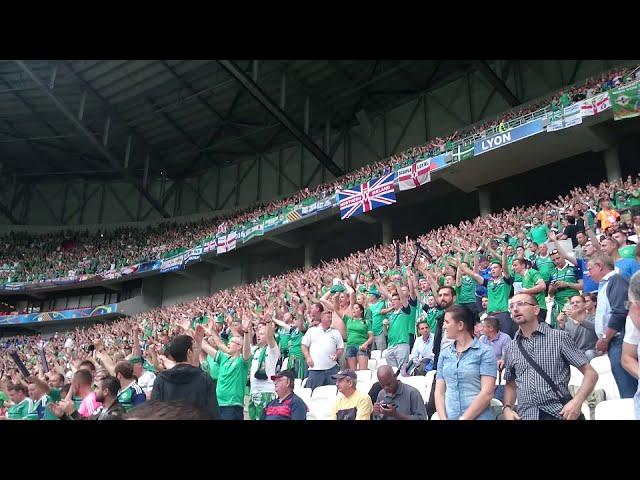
499, 290
287, 405
130, 394
400, 325
611, 315
21, 403
107, 395
352, 404
580, 326
543, 263
607, 217
537, 368
624, 266
184, 381
263, 367
466, 373
631, 345
532, 283
396, 400
563, 285
234, 368
322, 346
374, 307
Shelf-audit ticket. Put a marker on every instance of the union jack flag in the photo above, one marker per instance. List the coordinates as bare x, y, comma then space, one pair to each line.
375, 193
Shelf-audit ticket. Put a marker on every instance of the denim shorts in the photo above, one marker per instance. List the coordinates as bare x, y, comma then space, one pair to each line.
353, 352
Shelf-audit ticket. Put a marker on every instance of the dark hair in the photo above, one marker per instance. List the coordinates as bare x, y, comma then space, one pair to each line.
453, 292
179, 346
87, 363
571, 220
592, 296
520, 260
125, 369
84, 377
361, 308
493, 321
320, 307
464, 315
18, 387
112, 384
174, 410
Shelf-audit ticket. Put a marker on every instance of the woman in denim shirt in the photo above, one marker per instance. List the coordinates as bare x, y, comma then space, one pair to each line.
466, 375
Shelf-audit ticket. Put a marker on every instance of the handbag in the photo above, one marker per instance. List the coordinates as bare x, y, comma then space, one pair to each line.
545, 376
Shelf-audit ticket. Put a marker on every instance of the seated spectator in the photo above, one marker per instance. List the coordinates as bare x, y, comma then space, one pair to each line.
396, 400
287, 405
493, 337
352, 404
421, 357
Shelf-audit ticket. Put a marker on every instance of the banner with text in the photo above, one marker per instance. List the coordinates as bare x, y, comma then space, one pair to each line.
485, 145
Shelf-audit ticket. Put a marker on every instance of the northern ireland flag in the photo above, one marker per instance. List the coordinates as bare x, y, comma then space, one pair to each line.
226, 243
377, 192
414, 175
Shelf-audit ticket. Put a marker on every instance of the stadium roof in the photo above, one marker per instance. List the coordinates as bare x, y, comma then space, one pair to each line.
102, 118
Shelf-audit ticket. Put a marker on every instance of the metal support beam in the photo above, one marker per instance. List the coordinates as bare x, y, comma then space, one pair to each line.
107, 127
92, 138
497, 82
83, 101
282, 117
283, 91
127, 153
238, 183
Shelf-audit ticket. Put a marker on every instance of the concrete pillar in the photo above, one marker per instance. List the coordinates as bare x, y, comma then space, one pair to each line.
387, 230
309, 254
245, 270
484, 199
612, 164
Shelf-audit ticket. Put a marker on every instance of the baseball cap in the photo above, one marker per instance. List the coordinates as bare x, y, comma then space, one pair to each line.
284, 373
347, 372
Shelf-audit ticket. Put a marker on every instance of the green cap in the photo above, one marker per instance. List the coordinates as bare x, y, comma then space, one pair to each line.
220, 318
339, 288
135, 360
374, 291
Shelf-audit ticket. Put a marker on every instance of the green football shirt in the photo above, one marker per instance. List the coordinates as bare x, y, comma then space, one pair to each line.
399, 328
498, 293
357, 330
376, 316
531, 277
232, 378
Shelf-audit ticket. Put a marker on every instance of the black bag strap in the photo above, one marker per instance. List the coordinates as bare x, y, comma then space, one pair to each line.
540, 371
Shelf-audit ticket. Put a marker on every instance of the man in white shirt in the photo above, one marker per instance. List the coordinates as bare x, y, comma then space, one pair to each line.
422, 352
631, 344
263, 366
322, 347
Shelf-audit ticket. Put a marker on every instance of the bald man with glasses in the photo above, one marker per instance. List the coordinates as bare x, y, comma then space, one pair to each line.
537, 369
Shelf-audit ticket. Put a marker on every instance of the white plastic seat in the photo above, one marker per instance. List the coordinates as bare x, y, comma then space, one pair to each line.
285, 362
320, 408
395, 369
363, 375
621, 409
297, 383
586, 411
304, 382
304, 394
382, 361
325, 391
376, 354
495, 402
430, 377
601, 364
365, 385
419, 383
373, 364
435, 416
607, 382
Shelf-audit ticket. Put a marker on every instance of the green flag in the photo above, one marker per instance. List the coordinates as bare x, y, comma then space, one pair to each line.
462, 152
625, 101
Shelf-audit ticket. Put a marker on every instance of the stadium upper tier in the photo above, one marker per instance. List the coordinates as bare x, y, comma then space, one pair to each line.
33, 259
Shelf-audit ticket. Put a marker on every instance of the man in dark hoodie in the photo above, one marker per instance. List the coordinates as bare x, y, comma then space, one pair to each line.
184, 381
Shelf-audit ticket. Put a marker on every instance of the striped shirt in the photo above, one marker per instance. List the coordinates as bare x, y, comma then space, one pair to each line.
554, 350
131, 396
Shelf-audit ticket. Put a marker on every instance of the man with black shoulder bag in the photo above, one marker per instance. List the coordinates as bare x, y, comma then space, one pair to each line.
537, 368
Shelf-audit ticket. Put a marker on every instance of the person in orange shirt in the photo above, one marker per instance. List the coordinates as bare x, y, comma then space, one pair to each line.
607, 216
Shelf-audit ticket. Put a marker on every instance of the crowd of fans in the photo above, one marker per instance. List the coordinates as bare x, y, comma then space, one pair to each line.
467, 301
35, 258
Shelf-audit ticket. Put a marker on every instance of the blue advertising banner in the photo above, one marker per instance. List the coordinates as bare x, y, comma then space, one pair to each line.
63, 315
485, 145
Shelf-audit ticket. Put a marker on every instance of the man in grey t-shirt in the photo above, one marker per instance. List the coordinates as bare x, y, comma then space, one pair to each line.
579, 325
